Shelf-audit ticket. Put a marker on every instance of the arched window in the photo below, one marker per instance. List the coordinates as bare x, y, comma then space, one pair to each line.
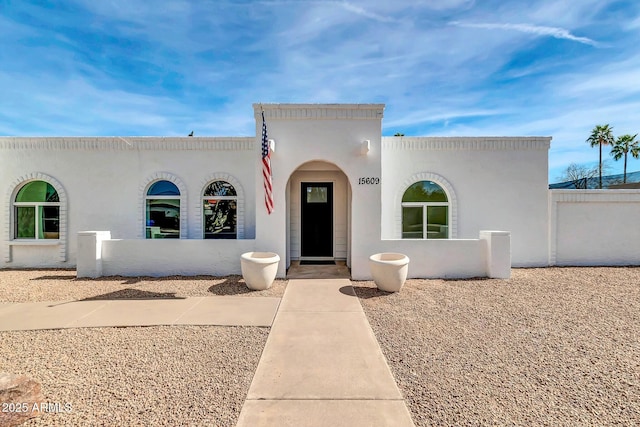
425, 212
37, 212
163, 211
220, 206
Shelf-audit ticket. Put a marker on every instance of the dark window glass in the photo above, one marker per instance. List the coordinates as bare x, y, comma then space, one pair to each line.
220, 219
437, 218
163, 188
37, 192
163, 218
412, 222
25, 225
424, 191
220, 189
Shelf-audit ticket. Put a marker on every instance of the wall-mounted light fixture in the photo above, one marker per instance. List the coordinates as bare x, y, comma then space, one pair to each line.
365, 147
272, 145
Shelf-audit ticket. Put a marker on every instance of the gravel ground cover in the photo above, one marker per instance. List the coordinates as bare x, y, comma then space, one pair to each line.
551, 346
153, 376
160, 376
62, 285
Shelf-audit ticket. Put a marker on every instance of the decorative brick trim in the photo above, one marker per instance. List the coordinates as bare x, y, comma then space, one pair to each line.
11, 193
142, 194
129, 143
441, 181
595, 196
220, 176
318, 112
466, 143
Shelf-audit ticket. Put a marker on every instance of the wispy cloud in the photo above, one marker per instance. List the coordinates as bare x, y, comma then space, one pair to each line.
348, 6
633, 25
443, 67
367, 14
437, 115
539, 30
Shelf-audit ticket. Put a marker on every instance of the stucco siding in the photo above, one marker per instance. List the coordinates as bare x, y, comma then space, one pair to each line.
499, 184
102, 178
595, 227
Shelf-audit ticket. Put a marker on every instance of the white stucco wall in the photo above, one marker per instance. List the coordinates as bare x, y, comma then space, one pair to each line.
333, 134
498, 183
103, 180
595, 227
493, 184
173, 257
454, 258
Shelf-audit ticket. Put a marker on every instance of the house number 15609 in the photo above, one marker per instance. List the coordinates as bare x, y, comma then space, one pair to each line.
370, 180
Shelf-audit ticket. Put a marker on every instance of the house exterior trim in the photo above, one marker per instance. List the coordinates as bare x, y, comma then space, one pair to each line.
129, 143
465, 143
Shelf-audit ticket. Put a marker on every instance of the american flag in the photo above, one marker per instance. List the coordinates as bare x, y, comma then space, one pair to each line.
266, 168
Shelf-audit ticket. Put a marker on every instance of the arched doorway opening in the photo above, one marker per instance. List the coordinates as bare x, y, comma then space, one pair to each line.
318, 199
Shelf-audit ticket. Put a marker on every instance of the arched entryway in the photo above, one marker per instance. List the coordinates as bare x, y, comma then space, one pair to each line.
318, 214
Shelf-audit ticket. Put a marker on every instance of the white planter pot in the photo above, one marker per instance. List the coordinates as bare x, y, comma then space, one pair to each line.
259, 269
389, 270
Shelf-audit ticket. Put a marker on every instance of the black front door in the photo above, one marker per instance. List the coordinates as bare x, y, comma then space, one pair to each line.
317, 219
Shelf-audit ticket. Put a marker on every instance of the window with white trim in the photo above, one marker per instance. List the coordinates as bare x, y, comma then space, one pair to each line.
36, 210
220, 210
425, 212
162, 205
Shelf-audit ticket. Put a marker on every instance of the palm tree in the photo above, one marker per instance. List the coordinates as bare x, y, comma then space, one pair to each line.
601, 135
624, 145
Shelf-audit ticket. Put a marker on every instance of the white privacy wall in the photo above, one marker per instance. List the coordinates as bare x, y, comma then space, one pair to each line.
494, 183
102, 180
595, 227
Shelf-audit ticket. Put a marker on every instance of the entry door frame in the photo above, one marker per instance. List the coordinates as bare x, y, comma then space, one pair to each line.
303, 185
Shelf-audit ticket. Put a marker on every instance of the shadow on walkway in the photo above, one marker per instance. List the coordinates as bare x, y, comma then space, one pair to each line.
135, 294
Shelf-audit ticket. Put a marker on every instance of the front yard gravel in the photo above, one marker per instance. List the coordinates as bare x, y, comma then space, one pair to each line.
550, 346
152, 376
62, 285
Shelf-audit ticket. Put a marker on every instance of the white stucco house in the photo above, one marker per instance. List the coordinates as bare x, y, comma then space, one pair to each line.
341, 191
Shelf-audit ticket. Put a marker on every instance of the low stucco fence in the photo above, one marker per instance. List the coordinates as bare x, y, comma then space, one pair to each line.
487, 256
99, 255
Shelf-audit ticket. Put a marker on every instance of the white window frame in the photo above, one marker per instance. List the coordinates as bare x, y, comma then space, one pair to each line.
174, 197
424, 206
36, 206
142, 202
218, 198
449, 190
9, 229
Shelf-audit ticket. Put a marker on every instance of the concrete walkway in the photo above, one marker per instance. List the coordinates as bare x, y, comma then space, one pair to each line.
322, 365
223, 310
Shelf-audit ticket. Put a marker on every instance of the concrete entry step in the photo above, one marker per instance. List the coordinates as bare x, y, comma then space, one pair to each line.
337, 271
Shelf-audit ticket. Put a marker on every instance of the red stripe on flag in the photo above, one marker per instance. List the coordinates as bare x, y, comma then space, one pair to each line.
266, 168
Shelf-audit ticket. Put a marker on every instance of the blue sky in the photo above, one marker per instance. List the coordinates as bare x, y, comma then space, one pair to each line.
442, 67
